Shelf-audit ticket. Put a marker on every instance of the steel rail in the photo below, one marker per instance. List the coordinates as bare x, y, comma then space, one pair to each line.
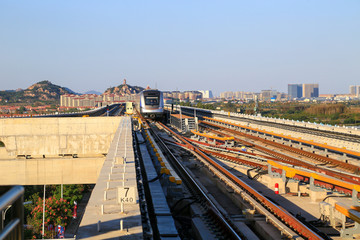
235, 159
276, 210
193, 184
291, 160
319, 132
346, 166
341, 136
291, 171
237, 151
355, 180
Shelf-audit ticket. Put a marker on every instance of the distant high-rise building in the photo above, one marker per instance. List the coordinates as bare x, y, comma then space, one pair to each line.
294, 91
310, 90
267, 95
206, 93
353, 89
226, 95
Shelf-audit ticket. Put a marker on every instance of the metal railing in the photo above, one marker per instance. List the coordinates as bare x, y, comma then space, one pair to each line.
12, 199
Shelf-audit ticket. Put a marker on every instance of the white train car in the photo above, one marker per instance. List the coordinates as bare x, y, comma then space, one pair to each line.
150, 104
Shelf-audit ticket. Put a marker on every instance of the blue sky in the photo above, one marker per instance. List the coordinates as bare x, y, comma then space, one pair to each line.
181, 45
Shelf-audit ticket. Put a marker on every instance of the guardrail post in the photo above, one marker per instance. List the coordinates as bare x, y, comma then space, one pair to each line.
283, 175
269, 170
312, 185
355, 198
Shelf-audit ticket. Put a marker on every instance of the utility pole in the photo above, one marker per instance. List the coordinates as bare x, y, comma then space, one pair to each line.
43, 224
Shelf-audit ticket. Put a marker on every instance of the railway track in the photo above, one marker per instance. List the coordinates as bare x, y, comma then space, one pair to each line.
280, 157
340, 136
211, 211
317, 132
200, 195
279, 217
320, 159
276, 159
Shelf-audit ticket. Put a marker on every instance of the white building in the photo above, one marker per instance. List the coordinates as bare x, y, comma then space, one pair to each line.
206, 93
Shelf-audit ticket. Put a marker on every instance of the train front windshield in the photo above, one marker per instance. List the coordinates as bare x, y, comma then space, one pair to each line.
152, 101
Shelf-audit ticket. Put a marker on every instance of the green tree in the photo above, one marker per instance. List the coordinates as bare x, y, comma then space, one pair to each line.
71, 193
57, 212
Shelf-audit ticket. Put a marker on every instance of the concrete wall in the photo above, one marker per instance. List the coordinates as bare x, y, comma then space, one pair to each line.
54, 136
50, 171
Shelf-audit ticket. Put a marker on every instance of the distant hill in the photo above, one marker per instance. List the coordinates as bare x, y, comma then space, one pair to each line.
124, 89
70, 91
43, 91
93, 92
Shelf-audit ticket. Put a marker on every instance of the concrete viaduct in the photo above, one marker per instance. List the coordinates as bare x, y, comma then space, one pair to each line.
38, 151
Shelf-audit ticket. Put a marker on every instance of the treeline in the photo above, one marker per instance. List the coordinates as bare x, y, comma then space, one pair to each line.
326, 109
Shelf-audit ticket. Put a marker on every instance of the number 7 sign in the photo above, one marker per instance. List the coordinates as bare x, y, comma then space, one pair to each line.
126, 195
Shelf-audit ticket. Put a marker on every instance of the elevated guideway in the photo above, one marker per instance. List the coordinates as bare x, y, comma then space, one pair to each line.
87, 150
113, 210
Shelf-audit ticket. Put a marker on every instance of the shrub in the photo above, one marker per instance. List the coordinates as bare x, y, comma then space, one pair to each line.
57, 212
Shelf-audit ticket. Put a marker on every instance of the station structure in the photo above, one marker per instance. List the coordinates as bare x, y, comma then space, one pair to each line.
116, 205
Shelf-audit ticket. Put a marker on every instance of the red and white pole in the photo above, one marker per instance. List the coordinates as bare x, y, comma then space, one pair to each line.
75, 210
276, 188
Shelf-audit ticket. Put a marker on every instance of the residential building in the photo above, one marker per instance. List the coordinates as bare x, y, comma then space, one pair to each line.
310, 90
353, 89
267, 95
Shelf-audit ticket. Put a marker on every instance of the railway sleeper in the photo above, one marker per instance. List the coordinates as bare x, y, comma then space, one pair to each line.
246, 222
243, 198
279, 224
350, 167
296, 163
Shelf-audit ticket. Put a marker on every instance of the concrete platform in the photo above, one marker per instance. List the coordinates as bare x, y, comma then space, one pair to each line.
116, 183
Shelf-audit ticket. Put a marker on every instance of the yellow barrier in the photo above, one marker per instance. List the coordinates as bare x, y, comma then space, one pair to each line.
291, 172
350, 213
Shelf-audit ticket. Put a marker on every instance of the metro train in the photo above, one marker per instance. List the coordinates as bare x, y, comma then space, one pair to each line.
150, 104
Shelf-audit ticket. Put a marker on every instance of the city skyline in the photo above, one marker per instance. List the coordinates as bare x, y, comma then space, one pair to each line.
243, 46
290, 89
